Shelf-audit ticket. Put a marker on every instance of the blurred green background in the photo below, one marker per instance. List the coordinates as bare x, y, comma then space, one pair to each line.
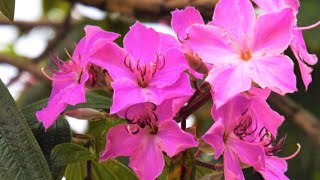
53, 13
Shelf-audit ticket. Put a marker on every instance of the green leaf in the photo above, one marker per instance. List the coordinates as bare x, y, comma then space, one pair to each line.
67, 153
58, 133
99, 129
110, 169
75, 171
7, 8
21, 156
202, 171
217, 175
182, 166
93, 101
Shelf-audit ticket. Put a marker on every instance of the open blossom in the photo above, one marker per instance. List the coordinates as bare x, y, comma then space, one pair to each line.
297, 44
150, 68
147, 135
225, 137
244, 49
253, 103
69, 79
245, 131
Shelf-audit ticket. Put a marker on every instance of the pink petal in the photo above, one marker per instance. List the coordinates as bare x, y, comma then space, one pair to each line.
261, 93
66, 90
142, 43
167, 42
249, 153
76, 94
50, 113
231, 111
273, 32
93, 33
214, 137
228, 81
120, 142
178, 103
277, 162
181, 88
147, 160
175, 65
275, 169
63, 80
212, 44
272, 5
172, 139
299, 47
269, 5
126, 93
300, 51
182, 19
264, 114
305, 71
275, 73
166, 110
232, 169
292, 3
111, 57
237, 17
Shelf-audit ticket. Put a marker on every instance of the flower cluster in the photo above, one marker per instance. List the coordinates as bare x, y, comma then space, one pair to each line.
239, 53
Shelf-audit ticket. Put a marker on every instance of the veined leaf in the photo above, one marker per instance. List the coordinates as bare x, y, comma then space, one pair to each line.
21, 156
110, 169
99, 129
67, 153
93, 101
58, 133
7, 8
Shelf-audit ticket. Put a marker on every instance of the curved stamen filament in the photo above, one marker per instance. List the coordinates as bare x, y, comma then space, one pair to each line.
294, 154
309, 27
142, 117
144, 72
52, 78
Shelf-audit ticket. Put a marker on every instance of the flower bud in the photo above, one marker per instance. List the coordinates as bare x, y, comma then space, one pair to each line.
85, 113
196, 63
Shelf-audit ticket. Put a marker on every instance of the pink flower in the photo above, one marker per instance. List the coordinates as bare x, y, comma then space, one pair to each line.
245, 131
147, 135
69, 79
225, 137
244, 48
275, 167
150, 68
254, 104
297, 44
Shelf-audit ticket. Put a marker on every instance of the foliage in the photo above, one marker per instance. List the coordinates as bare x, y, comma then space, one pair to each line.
7, 9
21, 156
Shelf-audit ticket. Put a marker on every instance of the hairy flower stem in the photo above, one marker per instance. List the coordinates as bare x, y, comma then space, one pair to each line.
209, 166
